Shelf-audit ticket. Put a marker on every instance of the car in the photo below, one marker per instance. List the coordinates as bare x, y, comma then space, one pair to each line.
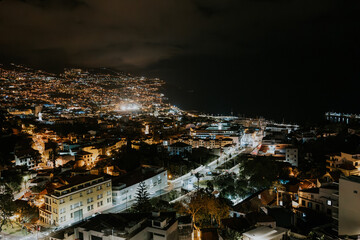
95, 214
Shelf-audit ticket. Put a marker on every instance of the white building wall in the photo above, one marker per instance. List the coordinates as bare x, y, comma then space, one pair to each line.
128, 194
292, 155
25, 161
349, 206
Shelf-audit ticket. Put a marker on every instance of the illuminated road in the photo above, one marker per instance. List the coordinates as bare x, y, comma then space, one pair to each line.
187, 181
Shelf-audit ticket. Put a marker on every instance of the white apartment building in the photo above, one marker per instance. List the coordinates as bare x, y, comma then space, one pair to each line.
179, 148
83, 196
125, 187
349, 206
124, 226
348, 164
25, 160
291, 156
324, 199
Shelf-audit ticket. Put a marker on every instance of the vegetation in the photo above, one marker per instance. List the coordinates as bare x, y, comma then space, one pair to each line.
6, 205
205, 209
25, 211
142, 199
255, 173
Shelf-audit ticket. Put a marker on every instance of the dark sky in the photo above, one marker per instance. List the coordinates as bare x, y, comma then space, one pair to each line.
291, 59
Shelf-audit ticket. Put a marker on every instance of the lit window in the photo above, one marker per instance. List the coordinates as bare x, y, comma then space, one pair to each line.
329, 202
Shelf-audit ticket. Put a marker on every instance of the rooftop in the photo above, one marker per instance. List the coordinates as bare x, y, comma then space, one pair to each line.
138, 175
352, 178
179, 144
75, 183
265, 232
311, 190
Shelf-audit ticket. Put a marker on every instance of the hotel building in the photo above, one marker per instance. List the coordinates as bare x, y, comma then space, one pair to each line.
83, 196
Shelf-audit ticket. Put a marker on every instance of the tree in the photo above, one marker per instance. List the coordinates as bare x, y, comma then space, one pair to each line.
192, 206
142, 199
226, 184
242, 188
53, 154
205, 209
6, 205
198, 176
260, 173
12, 180
25, 211
209, 187
217, 209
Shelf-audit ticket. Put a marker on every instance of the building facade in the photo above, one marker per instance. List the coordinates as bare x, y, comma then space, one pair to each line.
291, 156
124, 188
324, 199
179, 148
348, 164
349, 206
83, 196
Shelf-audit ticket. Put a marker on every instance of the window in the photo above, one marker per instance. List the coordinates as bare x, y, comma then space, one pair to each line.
160, 235
309, 204
355, 192
99, 196
70, 197
156, 224
303, 202
99, 204
62, 201
108, 200
71, 215
108, 193
81, 194
329, 202
328, 211
91, 207
95, 238
99, 188
89, 191
89, 200
62, 210
108, 184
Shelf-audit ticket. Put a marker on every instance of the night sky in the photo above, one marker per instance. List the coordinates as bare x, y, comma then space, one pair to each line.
291, 59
